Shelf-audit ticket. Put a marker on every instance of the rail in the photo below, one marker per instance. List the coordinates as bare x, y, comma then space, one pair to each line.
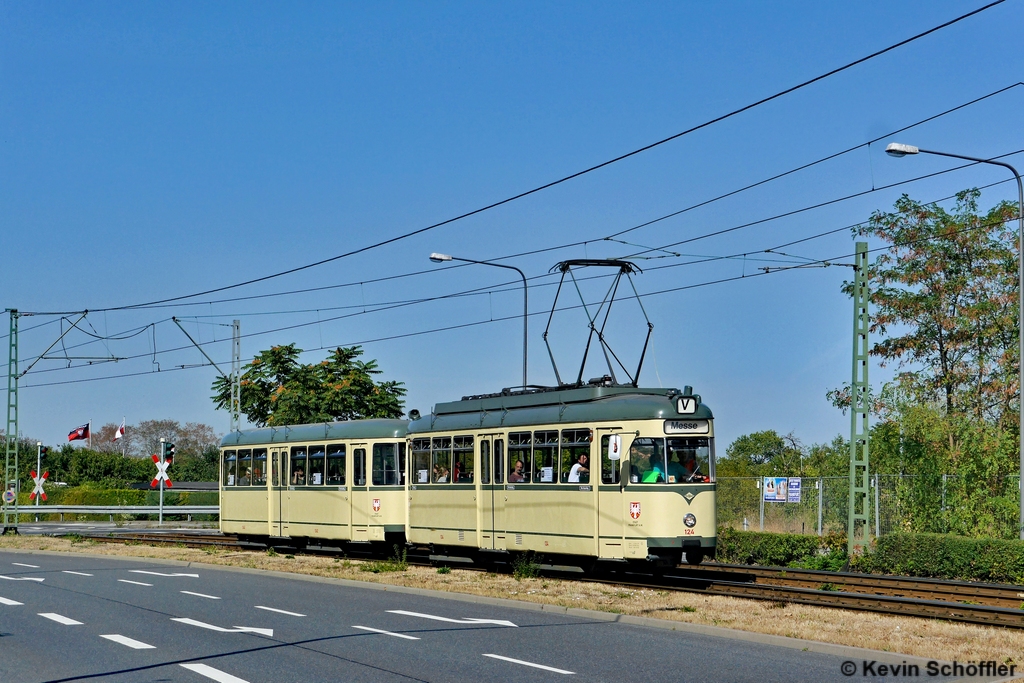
111, 510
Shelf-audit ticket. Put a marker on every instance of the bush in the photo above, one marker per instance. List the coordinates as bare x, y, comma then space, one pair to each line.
781, 550
947, 557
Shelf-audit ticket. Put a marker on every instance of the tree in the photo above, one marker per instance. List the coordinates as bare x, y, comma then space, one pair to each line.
763, 453
143, 439
944, 301
277, 390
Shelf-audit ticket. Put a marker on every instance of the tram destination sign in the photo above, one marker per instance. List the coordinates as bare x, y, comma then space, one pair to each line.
686, 427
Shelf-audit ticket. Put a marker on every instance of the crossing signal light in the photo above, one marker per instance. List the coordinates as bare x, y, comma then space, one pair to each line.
168, 452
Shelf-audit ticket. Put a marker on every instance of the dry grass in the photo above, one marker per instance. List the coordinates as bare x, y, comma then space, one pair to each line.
908, 635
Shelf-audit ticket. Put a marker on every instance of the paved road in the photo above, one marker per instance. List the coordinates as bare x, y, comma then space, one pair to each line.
74, 618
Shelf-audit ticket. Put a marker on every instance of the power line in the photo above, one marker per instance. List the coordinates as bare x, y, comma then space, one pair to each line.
385, 306
577, 174
404, 335
567, 245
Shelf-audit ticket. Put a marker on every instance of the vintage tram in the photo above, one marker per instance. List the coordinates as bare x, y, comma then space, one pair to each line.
577, 475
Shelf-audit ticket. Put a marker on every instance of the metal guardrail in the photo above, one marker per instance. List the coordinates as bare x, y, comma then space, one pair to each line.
112, 510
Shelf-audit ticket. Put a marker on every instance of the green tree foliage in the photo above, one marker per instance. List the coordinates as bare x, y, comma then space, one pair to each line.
944, 302
944, 310
277, 390
762, 454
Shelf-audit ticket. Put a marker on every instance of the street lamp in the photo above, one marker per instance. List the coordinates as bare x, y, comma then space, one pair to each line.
896, 149
441, 258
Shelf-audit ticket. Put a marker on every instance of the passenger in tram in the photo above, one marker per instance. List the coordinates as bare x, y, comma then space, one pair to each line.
243, 479
516, 475
677, 473
580, 473
298, 477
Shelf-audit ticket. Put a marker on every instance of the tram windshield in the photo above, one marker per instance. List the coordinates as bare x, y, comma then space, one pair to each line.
671, 461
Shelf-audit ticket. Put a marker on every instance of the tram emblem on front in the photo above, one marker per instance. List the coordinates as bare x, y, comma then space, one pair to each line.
634, 510
376, 504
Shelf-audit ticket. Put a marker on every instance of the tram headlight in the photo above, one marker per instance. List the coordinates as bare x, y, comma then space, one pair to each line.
690, 520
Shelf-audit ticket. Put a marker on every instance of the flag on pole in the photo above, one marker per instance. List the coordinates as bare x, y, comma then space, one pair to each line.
79, 433
119, 434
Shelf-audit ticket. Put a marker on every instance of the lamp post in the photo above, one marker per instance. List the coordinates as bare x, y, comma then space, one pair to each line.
441, 258
896, 149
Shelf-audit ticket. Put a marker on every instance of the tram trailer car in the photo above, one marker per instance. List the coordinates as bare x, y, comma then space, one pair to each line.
334, 482
494, 475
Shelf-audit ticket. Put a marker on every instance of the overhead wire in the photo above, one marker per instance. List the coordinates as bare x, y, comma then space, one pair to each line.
375, 308
577, 174
763, 272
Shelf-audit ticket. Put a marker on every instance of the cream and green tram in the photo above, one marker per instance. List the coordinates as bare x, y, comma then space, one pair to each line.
332, 482
612, 473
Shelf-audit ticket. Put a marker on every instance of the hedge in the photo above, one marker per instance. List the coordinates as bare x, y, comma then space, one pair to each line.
781, 550
947, 557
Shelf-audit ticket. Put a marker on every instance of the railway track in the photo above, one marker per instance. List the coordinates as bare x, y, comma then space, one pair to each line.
979, 603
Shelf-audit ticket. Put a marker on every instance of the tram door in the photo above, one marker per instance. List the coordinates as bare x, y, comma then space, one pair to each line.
360, 494
276, 508
492, 491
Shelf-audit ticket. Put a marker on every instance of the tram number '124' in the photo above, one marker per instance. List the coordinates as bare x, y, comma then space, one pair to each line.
686, 426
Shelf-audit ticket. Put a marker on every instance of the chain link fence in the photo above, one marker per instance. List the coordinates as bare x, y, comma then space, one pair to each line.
909, 503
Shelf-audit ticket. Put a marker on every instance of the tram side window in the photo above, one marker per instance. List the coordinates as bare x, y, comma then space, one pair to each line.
609, 468
401, 464
259, 467
315, 476
462, 460
229, 468
274, 472
384, 465
485, 462
519, 457
689, 460
576, 451
336, 465
647, 461
441, 448
298, 472
421, 461
244, 467
545, 464
359, 467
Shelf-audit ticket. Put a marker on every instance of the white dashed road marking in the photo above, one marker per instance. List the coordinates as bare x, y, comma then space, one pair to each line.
215, 674
268, 632
68, 571
22, 564
497, 622
137, 583
8, 601
60, 619
201, 595
387, 633
130, 642
143, 571
21, 578
280, 611
535, 666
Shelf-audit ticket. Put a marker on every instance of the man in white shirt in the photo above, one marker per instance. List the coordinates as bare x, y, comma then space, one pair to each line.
580, 468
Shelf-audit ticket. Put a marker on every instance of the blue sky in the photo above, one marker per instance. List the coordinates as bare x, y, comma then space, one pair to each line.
156, 150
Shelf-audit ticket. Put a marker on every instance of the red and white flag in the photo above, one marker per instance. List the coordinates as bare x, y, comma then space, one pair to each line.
119, 434
79, 433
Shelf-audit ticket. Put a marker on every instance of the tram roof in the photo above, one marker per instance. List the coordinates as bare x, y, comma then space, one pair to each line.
323, 431
561, 406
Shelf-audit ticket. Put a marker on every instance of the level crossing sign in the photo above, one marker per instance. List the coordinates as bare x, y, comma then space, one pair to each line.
38, 490
161, 472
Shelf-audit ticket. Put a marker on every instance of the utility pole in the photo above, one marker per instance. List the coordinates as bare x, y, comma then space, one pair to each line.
858, 526
10, 495
236, 375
